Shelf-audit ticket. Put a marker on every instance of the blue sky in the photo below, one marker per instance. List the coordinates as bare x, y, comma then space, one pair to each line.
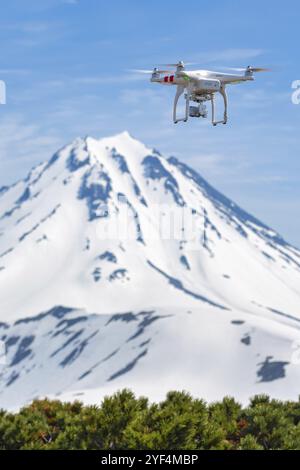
66, 62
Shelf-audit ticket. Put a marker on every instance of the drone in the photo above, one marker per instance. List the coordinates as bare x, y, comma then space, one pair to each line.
200, 87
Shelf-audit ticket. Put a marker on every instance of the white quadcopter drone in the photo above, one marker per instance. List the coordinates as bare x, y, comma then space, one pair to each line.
200, 86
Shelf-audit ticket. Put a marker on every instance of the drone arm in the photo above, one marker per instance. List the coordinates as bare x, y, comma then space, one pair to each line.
180, 90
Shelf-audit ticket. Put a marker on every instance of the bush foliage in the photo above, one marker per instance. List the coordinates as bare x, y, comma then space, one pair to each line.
123, 421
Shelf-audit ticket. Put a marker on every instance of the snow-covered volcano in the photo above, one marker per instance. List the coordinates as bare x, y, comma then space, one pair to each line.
119, 267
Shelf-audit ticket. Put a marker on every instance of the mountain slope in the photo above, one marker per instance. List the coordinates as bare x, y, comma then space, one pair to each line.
119, 266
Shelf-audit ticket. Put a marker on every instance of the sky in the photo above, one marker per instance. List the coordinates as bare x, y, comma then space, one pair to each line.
67, 66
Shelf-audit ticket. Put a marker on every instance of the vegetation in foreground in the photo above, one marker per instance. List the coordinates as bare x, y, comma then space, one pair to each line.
123, 421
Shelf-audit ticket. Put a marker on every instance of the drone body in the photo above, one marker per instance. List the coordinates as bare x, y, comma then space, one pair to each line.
200, 86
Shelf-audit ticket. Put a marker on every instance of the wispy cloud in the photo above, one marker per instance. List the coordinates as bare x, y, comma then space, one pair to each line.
229, 55
135, 97
30, 27
14, 72
108, 79
238, 54
22, 142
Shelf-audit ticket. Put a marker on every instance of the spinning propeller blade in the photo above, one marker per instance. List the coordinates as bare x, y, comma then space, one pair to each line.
250, 69
150, 71
178, 64
260, 69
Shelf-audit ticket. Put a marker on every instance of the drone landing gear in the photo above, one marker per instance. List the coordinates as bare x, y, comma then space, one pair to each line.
179, 92
200, 109
223, 121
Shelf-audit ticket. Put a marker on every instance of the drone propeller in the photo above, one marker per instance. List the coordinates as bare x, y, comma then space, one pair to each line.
259, 69
178, 64
248, 69
150, 71
158, 70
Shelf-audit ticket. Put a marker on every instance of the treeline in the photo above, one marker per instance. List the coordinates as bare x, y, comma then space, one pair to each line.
123, 421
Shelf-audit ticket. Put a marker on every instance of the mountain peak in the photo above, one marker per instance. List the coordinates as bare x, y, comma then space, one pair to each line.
124, 137
124, 143
146, 253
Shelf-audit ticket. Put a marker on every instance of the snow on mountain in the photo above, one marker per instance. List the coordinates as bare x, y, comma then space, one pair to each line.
120, 267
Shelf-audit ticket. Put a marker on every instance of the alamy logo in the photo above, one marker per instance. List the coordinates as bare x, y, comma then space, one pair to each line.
296, 93
2, 92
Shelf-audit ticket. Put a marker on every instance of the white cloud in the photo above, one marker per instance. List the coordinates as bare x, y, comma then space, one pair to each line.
14, 72
30, 27
107, 79
22, 145
229, 55
238, 54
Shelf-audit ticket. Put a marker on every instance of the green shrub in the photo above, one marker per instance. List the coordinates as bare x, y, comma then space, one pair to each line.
179, 422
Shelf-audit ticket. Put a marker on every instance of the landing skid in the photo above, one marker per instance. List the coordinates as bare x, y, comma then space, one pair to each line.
225, 119
179, 92
188, 98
